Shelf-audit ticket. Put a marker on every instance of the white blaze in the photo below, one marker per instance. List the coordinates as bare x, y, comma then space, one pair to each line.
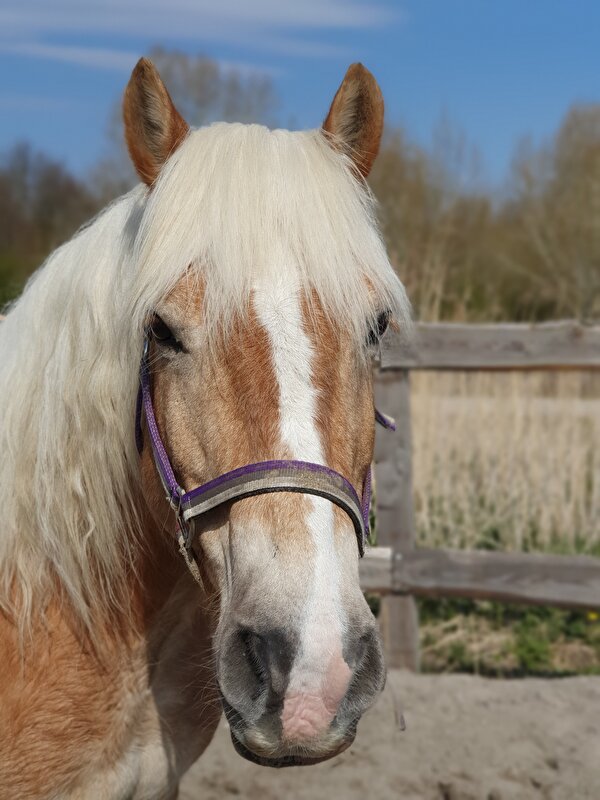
279, 309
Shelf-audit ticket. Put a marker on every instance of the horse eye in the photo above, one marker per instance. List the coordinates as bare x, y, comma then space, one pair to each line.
163, 334
380, 327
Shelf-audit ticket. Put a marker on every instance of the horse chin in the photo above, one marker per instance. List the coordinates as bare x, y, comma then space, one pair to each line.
293, 760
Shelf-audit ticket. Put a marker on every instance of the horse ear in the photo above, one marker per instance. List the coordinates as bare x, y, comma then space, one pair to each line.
355, 119
153, 126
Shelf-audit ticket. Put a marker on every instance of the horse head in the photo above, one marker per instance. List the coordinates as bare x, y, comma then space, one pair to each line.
260, 352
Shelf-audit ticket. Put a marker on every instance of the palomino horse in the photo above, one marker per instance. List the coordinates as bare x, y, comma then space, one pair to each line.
247, 276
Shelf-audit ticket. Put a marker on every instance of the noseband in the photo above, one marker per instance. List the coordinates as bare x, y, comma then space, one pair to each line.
250, 480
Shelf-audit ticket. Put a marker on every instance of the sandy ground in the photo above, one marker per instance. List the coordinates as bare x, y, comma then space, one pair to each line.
467, 738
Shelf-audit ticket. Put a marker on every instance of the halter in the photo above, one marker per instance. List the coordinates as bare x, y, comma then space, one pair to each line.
262, 477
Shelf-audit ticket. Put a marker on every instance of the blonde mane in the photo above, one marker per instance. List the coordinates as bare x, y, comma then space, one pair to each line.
234, 204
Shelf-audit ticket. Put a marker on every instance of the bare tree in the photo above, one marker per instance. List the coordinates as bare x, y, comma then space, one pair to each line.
41, 206
555, 219
433, 223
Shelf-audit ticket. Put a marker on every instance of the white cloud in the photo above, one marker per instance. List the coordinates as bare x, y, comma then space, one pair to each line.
105, 58
83, 56
189, 18
32, 27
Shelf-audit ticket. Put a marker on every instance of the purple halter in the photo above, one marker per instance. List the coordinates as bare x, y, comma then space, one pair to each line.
252, 479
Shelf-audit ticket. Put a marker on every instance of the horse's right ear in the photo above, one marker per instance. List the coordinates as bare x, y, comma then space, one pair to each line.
153, 126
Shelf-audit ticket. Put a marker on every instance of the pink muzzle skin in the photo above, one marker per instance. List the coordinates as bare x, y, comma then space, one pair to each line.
307, 716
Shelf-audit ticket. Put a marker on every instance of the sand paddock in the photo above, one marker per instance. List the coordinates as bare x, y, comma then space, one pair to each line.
467, 738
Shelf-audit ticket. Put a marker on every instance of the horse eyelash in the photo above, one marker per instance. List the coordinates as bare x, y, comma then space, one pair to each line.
377, 331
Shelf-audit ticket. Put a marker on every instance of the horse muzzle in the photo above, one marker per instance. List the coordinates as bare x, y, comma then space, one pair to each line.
283, 711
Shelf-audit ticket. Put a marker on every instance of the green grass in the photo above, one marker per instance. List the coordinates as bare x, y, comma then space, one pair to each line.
507, 640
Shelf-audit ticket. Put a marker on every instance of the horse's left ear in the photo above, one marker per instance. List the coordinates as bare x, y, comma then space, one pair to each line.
355, 119
153, 126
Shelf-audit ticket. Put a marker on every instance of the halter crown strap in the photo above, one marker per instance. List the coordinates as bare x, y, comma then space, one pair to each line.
248, 481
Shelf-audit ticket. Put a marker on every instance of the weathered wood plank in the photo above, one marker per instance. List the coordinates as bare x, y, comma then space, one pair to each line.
393, 463
529, 578
553, 345
376, 570
395, 517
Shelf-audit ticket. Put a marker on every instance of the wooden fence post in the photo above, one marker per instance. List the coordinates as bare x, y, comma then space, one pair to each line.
395, 514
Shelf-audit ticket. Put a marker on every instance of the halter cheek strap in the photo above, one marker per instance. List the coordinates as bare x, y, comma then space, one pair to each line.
262, 477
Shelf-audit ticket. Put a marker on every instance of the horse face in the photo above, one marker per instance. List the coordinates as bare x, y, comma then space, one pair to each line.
298, 655
298, 659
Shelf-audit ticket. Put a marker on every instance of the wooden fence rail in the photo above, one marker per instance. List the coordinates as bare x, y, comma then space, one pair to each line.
531, 578
441, 346
398, 569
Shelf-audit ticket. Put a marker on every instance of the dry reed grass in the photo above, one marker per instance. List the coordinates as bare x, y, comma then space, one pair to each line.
507, 461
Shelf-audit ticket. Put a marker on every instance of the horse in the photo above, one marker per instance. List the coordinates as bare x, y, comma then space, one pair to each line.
200, 555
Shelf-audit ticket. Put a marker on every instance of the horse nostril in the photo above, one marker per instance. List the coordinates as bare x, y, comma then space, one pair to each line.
268, 657
365, 656
357, 650
256, 656
370, 658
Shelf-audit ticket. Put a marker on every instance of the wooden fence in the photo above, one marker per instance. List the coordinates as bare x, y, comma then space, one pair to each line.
400, 570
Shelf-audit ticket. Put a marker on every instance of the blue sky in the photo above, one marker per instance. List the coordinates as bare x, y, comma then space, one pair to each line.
498, 69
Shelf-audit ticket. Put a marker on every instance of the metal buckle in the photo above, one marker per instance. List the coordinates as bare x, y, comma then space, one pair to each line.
185, 528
